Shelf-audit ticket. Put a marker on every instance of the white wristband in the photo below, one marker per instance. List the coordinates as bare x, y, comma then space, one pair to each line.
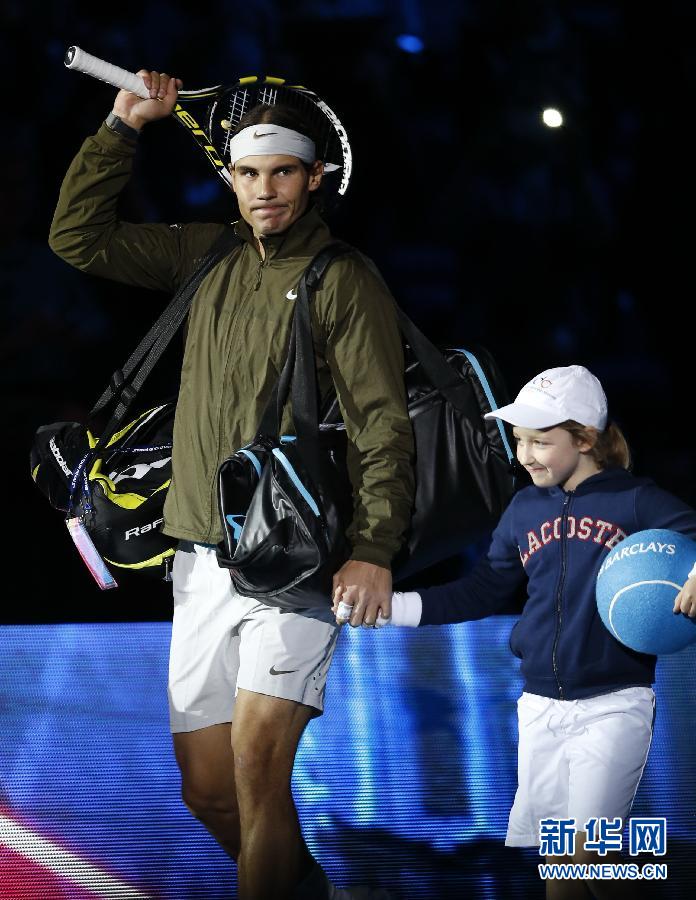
692, 572
407, 608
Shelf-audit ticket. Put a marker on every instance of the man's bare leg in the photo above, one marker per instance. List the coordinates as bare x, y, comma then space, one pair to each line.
611, 889
265, 735
206, 761
560, 889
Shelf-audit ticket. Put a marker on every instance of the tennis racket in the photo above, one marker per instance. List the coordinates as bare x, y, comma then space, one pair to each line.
226, 104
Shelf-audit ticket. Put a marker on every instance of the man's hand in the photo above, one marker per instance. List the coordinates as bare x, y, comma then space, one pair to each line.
685, 601
367, 588
136, 112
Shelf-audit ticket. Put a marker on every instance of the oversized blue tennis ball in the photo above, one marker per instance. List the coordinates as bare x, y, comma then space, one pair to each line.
636, 587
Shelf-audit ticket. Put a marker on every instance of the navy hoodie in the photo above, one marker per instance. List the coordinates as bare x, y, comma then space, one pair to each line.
557, 540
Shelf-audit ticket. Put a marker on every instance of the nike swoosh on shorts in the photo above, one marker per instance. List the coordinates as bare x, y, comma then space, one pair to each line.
275, 671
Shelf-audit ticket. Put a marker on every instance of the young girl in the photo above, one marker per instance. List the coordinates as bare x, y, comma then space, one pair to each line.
586, 713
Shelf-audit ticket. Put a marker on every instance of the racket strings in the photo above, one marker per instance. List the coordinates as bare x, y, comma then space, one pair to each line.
269, 96
237, 109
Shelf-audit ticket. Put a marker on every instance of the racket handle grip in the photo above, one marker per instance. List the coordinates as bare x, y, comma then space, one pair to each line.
91, 65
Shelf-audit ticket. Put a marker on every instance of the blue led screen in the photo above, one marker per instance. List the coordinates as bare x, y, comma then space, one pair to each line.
405, 782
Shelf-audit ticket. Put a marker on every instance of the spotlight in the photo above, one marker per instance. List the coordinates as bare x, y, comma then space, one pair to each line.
410, 43
552, 118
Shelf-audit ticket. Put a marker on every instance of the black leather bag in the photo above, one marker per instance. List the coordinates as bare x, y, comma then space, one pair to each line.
465, 466
285, 505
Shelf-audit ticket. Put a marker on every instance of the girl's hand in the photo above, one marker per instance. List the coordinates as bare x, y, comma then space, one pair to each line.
685, 601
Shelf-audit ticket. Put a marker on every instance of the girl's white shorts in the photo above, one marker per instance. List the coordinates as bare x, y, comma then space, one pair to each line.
579, 759
222, 641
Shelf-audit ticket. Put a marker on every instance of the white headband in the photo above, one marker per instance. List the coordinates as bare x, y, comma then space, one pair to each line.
269, 140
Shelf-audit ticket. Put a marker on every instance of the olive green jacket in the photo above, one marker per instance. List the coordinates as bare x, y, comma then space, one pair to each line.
238, 332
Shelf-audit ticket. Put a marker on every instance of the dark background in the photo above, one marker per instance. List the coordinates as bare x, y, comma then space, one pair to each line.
549, 247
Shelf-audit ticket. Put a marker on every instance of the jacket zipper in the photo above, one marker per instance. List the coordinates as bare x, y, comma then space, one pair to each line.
559, 592
259, 274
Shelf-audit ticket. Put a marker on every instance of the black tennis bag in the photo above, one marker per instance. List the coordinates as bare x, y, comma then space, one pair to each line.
116, 489
114, 479
286, 501
464, 464
288, 540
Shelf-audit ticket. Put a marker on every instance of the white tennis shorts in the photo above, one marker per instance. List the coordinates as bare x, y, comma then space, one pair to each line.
222, 641
579, 759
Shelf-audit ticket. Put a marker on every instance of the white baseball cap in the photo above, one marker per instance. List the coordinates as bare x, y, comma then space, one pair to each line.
555, 396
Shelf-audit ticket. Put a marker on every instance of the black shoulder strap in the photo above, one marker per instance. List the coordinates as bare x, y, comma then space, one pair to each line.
125, 383
301, 334
321, 262
305, 393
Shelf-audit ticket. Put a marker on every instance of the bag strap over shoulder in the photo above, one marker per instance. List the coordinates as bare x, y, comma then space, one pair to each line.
304, 389
125, 383
301, 336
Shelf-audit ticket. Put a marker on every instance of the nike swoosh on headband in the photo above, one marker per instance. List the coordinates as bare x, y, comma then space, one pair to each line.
263, 134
